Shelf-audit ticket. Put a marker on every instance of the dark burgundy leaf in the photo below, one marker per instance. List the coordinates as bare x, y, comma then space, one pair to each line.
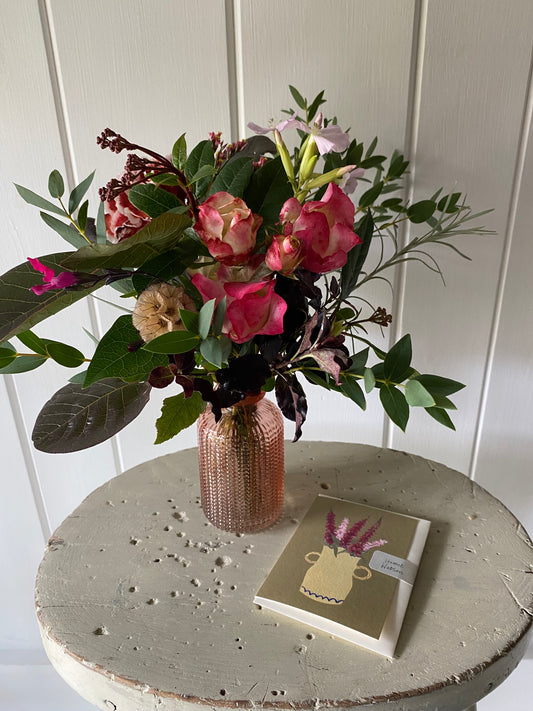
292, 401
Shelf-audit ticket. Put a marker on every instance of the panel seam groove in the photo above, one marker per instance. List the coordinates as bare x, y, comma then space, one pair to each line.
67, 148
525, 128
29, 460
234, 68
410, 149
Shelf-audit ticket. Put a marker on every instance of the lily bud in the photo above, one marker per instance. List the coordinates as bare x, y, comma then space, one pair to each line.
309, 160
284, 155
329, 177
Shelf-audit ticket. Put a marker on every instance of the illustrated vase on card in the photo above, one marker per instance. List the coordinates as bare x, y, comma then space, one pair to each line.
241, 465
331, 577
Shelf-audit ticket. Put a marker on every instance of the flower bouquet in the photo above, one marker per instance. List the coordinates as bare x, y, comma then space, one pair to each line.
243, 265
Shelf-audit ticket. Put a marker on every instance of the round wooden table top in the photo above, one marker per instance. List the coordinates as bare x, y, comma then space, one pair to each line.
143, 604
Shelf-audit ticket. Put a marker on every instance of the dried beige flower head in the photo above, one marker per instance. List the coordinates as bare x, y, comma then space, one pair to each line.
157, 310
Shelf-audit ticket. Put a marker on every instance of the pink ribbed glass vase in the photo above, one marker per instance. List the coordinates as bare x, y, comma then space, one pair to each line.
241, 465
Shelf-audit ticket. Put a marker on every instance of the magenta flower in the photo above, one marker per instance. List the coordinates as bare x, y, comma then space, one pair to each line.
51, 280
284, 254
329, 138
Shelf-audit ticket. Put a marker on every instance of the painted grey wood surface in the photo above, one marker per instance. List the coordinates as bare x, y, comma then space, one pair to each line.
143, 604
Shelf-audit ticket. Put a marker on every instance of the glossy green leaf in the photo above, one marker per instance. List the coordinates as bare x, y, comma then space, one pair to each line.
158, 236
233, 177
20, 308
370, 196
23, 363
101, 237
421, 211
37, 201
358, 363
351, 388
79, 378
119, 354
33, 342
76, 418
77, 195
357, 256
6, 356
398, 360
179, 153
219, 316
173, 343
200, 156
65, 355
205, 317
417, 395
178, 413
152, 199
437, 385
395, 405
267, 190
441, 416
300, 101
56, 185
82, 216
189, 320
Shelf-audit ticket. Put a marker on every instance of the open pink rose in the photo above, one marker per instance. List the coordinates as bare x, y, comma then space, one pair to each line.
252, 308
228, 228
122, 219
325, 228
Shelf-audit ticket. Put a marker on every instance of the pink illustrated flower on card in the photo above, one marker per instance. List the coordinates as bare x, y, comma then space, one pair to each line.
228, 228
50, 279
325, 228
122, 218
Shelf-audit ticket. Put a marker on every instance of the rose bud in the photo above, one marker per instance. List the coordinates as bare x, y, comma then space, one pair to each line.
284, 254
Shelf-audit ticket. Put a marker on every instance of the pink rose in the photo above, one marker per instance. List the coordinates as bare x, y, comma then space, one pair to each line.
252, 308
325, 227
228, 228
122, 219
284, 254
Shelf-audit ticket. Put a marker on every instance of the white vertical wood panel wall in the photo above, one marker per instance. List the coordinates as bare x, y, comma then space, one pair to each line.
449, 81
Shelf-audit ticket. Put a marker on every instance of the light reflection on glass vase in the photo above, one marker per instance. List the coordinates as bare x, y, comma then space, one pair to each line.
241, 465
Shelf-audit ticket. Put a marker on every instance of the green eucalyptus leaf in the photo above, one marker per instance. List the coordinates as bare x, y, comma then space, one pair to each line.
101, 232
417, 395
398, 360
211, 350
77, 195
369, 380
234, 176
152, 199
371, 195
206, 171
157, 237
23, 363
56, 185
205, 317
37, 201
82, 216
395, 405
178, 413
65, 355
20, 308
358, 363
67, 231
179, 153
119, 355
218, 318
173, 343
76, 418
